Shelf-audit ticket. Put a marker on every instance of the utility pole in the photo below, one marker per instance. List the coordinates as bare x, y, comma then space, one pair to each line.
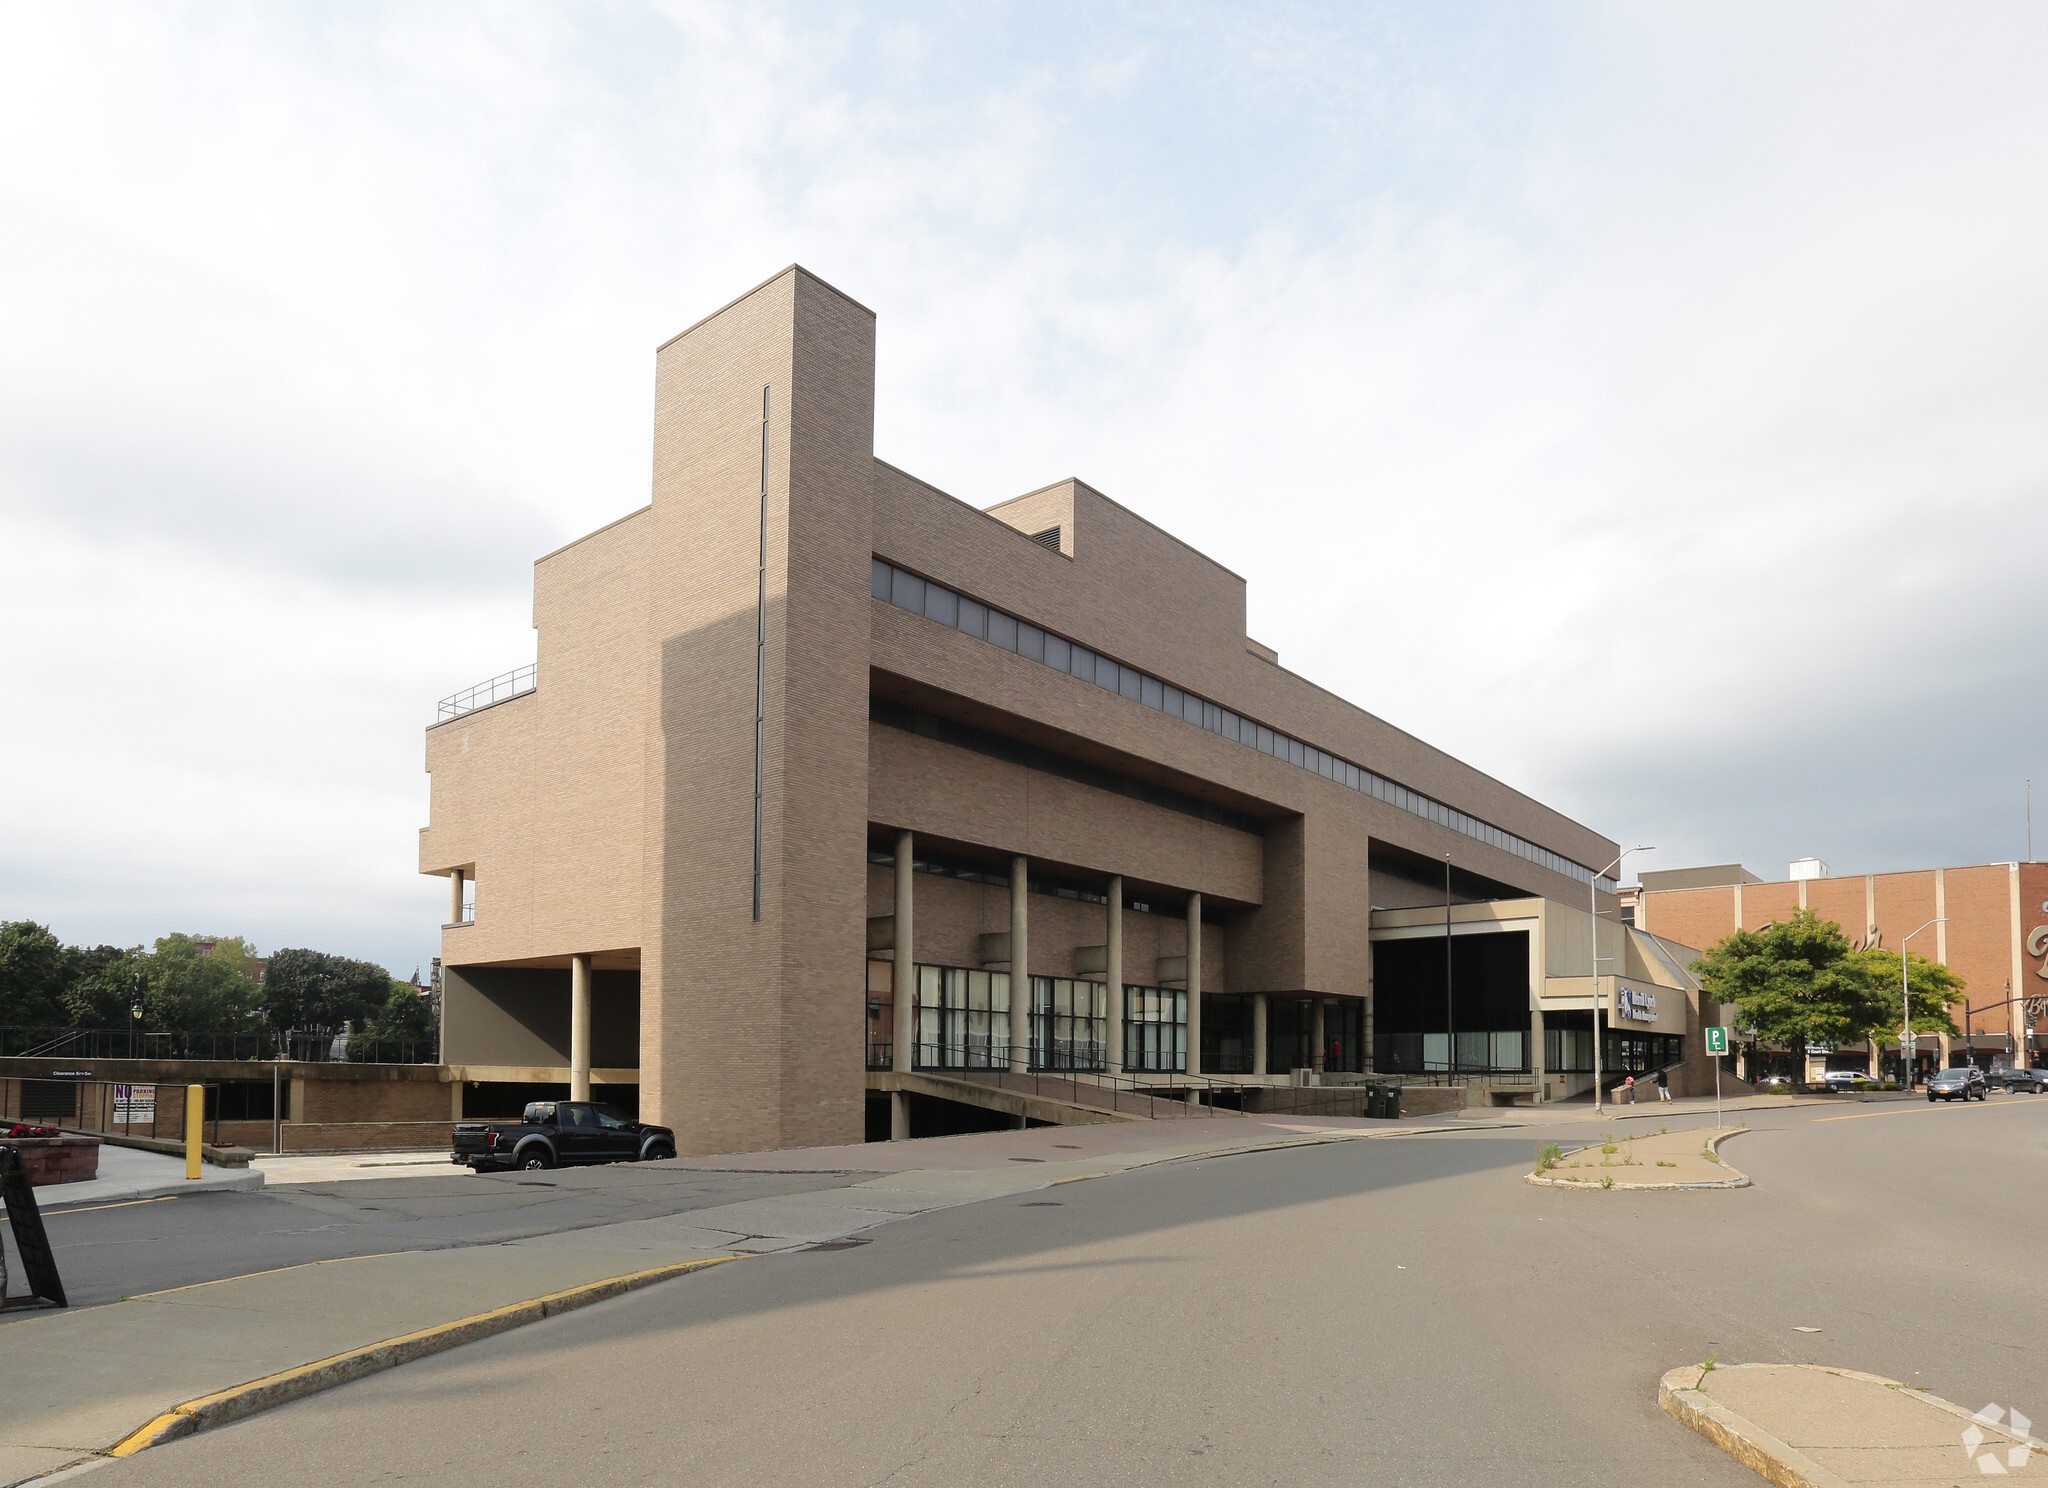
1906, 1039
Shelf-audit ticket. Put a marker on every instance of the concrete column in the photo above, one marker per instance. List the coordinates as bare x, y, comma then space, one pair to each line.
1194, 984
1258, 1033
1319, 1039
455, 882
899, 1116
454, 1100
1020, 965
903, 976
1537, 1055
1113, 970
579, 1028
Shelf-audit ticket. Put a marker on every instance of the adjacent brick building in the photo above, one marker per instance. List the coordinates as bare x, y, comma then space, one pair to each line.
1994, 935
805, 716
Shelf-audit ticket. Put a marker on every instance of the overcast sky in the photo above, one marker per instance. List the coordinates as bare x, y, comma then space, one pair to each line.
1645, 403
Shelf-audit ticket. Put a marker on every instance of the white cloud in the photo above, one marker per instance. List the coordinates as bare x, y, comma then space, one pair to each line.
1638, 402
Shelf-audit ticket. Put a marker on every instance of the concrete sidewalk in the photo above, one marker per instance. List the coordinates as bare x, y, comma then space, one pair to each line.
343, 1167
1814, 1426
127, 1174
114, 1379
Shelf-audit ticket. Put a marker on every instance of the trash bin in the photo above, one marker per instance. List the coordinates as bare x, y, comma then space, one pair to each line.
1393, 1102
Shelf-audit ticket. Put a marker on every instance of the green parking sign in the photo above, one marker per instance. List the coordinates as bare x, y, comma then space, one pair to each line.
1717, 1041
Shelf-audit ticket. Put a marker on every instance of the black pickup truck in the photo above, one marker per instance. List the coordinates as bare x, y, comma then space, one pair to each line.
558, 1134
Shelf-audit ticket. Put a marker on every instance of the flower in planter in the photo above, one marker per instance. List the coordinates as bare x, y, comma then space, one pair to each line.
20, 1130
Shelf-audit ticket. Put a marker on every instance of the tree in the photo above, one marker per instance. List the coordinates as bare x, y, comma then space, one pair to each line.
311, 989
1932, 989
405, 1018
204, 983
1798, 981
108, 987
35, 970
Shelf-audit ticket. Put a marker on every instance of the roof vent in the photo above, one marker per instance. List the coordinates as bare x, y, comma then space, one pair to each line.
1050, 538
1809, 868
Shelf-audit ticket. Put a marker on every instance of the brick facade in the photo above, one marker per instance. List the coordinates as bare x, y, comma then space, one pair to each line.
611, 812
1995, 913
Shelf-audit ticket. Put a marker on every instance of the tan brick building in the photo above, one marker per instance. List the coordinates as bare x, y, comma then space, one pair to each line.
1992, 931
804, 717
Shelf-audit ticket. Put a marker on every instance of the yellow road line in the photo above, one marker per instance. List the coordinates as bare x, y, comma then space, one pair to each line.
90, 1208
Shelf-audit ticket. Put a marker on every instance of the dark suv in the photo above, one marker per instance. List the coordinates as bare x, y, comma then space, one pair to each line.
1963, 1083
2031, 1080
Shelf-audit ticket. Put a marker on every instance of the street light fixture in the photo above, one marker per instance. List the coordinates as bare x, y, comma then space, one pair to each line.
1908, 1045
1593, 914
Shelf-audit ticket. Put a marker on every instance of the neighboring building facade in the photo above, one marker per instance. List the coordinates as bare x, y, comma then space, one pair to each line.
1993, 934
804, 720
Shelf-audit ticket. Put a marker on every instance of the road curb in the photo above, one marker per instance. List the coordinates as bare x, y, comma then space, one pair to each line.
1679, 1395
1735, 1179
224, 1406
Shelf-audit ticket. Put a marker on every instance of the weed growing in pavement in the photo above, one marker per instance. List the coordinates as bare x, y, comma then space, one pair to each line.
1608, 1146
1710, 1154
1667, 1165
1607, 1181
1709, 1364
1548, 1156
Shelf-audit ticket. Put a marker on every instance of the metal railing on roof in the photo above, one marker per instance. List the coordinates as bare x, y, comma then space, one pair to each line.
499, 689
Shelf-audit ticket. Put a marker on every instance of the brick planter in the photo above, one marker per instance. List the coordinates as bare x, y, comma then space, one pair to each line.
50, 1160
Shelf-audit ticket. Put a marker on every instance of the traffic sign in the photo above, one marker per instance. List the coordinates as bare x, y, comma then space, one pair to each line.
1717, 1040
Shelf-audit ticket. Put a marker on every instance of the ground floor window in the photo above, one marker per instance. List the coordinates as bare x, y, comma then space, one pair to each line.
1226, 1034
963, 1018
1069, 1024
1634, 1053
1291, 1034
881, 1015
1493, 1051
1155, 1030
1568, 1051
1470, 1015
1344, 1034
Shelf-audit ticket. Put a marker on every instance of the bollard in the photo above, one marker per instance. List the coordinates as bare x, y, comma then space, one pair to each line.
195, 1126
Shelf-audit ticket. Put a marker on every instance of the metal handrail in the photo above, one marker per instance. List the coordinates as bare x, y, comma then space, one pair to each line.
499, 689
301, 1046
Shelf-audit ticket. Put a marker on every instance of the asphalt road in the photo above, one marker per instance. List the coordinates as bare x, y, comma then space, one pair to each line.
1387, 1312
124, 1250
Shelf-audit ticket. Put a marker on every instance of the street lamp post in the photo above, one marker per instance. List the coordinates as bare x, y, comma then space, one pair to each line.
1593, 928
1906, 1040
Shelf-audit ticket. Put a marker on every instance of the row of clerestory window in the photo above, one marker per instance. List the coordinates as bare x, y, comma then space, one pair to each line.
920, 596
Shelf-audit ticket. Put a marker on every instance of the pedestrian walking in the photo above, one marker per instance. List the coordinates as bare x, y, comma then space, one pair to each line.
1663, 1087
1630, 1084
